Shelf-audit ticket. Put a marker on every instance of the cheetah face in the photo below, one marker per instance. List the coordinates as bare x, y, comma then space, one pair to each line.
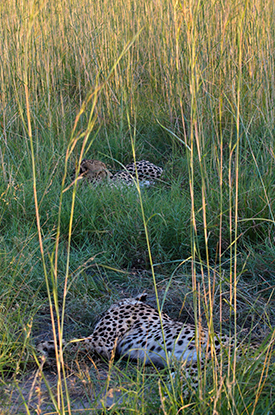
92, 170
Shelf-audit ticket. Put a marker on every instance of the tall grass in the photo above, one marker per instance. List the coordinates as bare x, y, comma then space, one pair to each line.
189, 86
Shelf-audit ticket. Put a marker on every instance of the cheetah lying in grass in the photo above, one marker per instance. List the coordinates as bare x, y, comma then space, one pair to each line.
95, 171
133, 329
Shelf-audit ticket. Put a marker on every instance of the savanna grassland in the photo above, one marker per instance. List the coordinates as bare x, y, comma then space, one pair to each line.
190, 86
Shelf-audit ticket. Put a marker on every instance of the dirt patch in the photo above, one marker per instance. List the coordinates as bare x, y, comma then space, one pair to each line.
40, 394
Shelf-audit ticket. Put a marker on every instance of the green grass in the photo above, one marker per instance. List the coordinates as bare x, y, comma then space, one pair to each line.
190, 87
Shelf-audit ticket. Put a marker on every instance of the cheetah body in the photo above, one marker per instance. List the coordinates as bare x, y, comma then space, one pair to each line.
134, 329
95, 171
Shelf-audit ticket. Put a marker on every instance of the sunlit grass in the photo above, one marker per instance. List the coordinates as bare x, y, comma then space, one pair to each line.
189, 86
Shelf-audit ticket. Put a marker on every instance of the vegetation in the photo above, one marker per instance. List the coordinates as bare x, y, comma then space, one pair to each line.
189, 86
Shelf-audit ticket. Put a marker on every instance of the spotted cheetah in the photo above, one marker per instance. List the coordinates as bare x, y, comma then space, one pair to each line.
131, 328
96, 171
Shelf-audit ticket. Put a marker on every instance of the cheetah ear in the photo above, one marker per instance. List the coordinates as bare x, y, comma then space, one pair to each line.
142, 297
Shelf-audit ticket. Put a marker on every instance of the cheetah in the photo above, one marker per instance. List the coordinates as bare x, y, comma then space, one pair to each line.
95, 171
133, 329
